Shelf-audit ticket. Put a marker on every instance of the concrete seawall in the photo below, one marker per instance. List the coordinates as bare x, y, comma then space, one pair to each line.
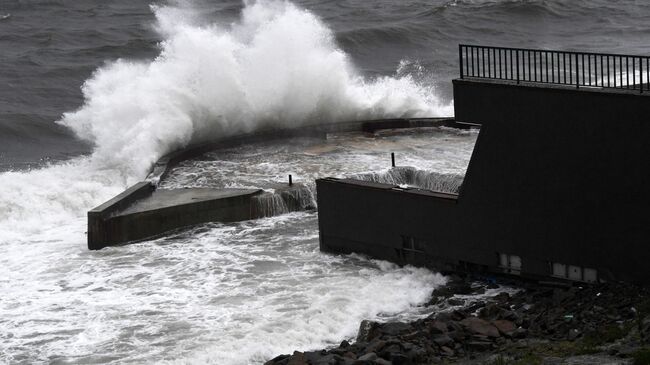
142, 212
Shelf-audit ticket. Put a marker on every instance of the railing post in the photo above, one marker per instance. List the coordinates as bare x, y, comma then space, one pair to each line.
460, 58
517, 62
641, 74
577, 72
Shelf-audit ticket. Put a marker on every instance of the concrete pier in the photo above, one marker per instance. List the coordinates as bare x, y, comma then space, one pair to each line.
142, 212
166, 210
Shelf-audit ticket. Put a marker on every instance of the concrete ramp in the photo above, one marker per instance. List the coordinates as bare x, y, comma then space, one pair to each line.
142, 212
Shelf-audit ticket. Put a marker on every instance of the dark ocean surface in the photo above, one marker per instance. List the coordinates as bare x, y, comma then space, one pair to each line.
48, 48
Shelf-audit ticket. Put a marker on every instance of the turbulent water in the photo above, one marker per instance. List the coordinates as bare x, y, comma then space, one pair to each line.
91, 93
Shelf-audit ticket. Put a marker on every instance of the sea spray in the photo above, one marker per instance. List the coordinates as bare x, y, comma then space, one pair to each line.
278, 65
237, 293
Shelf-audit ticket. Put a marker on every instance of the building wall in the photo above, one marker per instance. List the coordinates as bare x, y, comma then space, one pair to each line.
558, 175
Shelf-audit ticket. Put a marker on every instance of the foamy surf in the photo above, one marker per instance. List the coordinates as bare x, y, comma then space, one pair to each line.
278, 65
226, 294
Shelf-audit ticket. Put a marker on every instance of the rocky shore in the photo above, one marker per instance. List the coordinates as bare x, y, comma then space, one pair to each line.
535, 324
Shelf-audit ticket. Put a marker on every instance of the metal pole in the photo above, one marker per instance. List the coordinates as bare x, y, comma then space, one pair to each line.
392, 159
577, 72
290, 180
460, 57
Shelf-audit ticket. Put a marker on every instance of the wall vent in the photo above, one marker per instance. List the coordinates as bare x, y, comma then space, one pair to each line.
573, 272
511, 264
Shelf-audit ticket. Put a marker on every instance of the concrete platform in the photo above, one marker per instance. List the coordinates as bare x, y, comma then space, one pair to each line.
141, 216
162, 199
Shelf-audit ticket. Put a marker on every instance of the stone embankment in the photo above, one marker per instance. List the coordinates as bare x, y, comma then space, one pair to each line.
606, 323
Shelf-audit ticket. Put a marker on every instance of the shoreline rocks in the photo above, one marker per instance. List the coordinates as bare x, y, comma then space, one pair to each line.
537, 325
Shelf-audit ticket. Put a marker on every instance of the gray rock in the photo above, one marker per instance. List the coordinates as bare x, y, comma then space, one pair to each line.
367, 331
479, 326
371, 356
381, 361
437, 327
400, 359
443, 340
446, 351
573, 334
395, 328
479, 345
505, 327
298, 358
375, 345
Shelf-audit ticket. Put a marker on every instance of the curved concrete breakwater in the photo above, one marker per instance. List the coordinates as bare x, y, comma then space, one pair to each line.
143, 211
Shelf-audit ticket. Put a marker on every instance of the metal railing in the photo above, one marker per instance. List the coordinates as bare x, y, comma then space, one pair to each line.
579, 69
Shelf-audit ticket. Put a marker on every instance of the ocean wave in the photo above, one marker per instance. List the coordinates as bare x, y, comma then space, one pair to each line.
278, 65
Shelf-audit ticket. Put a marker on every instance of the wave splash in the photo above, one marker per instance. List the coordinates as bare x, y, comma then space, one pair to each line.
277, 66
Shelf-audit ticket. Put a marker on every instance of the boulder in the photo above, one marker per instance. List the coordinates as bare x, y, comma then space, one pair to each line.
395, 328
371, 356
367, 331
479, 326
298, 358
505, 327
437, 327
443, 340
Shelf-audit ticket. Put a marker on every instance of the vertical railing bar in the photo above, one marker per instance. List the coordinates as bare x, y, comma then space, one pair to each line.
582, 66
546, 66
517, 61
489, 69
460, 59
627, 71
633, 72
570, 70
559, 77
523, 66
557, 69
577, 72
620, 66
473, 58
563, 73
612, 71
608, 73
494, 62
500, 74
466, 61
552, 67
641, 75
483, 61
530, 71
533, 73
602, 72
589, 68
512, 76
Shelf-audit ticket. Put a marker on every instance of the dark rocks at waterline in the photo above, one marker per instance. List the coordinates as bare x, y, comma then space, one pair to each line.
612, 319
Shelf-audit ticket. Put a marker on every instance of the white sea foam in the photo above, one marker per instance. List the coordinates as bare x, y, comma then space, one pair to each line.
278, 65
229, 294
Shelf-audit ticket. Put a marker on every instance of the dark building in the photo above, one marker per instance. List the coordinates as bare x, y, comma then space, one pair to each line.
558, 184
